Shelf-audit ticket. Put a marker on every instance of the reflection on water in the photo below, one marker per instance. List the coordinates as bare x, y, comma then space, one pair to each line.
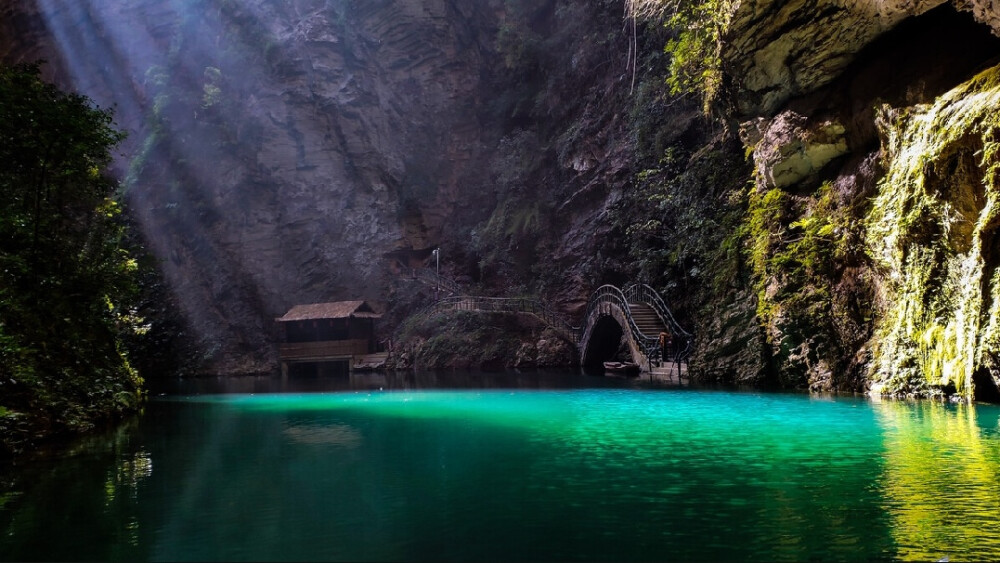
129, 473
400, 381
332, 435
62, 508
942, 479
562, 470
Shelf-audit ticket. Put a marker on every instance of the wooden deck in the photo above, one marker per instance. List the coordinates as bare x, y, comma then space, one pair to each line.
322, 351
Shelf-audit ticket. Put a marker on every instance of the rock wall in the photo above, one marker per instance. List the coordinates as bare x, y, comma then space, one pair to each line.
312, 150
812, 84
933, 228
281, 148
288, 152
775, 51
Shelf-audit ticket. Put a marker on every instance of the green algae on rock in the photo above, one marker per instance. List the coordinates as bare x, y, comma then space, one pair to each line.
932, 229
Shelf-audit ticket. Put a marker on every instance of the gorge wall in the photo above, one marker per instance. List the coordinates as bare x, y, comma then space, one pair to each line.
291, 152
873, 246
295, 152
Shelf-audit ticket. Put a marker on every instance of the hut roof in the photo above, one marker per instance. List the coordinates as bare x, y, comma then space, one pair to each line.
335, 310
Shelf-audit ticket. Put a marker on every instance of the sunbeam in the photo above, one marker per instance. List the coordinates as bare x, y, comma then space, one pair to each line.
272, 144
291, 152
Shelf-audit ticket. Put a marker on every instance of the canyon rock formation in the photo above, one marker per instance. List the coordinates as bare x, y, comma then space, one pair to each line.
290, 152
825, 91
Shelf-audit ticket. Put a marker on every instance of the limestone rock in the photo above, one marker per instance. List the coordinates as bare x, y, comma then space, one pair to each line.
985, 11
729, 345
553, 351
790, 149
333, 136
286, 147
776, 50
526, 356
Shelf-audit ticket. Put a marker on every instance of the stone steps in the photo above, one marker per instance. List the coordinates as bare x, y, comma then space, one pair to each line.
646, 319
668, 372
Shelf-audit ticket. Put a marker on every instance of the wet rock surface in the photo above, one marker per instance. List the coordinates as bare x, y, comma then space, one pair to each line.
281, 149
292, 152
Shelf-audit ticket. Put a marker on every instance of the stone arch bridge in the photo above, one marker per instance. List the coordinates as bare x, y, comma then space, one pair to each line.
635, 315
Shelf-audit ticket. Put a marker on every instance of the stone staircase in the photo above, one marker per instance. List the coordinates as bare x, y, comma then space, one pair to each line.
669, 371
651, 325
646, 319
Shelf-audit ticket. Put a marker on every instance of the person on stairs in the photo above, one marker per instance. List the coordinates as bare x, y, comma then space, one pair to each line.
665, 342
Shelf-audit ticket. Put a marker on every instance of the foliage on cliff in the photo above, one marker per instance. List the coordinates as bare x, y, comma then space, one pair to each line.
67, 280
798, 248
933, 229
676, 222
697, 28
857, 283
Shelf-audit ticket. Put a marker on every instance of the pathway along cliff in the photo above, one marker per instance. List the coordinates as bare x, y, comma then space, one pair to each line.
304, 152
636, 320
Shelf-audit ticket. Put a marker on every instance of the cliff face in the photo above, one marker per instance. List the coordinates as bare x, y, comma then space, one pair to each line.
290, 152
780, 50
874, 264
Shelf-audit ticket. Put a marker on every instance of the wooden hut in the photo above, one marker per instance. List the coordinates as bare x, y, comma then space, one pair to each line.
326, 332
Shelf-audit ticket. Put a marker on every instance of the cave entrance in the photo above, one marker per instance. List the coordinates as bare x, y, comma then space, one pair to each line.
984, 387
924, 56
605, 341
918, 60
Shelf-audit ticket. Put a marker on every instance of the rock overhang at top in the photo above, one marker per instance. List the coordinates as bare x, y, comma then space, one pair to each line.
777, 50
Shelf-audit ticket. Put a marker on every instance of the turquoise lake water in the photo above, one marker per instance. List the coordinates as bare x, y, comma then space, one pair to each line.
613, 472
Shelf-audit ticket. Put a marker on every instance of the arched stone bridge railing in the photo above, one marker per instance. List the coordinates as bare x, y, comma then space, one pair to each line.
643, 340
607, 302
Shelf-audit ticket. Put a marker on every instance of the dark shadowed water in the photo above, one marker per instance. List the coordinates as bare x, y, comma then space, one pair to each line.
514, 467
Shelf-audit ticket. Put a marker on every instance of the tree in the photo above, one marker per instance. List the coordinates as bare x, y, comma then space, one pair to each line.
67, 280
698, 27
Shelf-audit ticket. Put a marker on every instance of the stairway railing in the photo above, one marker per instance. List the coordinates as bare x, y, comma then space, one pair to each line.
603, 296
611, 295
510, 305
683, 341
432, 279
642, 293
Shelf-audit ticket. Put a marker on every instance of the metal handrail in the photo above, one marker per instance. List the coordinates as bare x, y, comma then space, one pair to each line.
525, 305
609, 294
432, 279
642, 293
649, 345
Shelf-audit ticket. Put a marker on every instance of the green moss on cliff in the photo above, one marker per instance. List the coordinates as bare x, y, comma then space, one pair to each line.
697, 27
794, 245
932, 229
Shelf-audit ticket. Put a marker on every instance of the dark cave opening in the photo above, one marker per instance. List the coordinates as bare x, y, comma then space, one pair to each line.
605, 340
920, 59
985, 387
923, 57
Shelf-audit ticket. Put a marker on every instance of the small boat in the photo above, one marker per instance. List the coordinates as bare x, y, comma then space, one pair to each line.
625, 368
